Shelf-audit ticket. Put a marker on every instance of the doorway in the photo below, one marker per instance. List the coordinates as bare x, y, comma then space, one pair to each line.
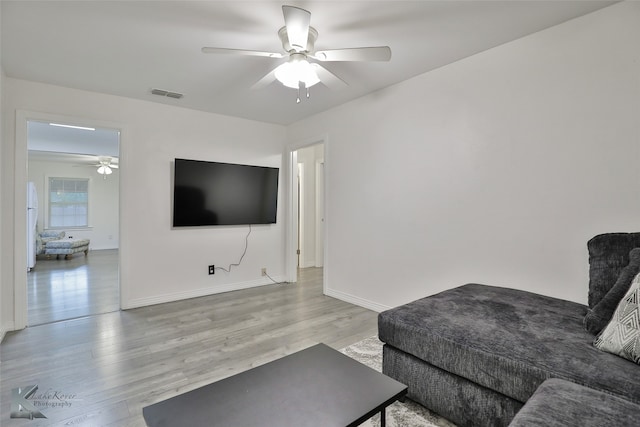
75, 172
309, 165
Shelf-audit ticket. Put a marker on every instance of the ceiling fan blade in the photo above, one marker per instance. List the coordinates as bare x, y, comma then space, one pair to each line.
378, 53
297, 22
329, 79
265, 81
225, 51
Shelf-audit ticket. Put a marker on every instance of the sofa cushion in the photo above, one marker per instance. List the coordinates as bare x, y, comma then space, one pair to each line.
598, 317
622, 335
67, 244
608, 255
507, 340
559, 403
52, 234
455, 398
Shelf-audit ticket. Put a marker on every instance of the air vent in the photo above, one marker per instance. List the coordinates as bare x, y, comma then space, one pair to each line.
166, 93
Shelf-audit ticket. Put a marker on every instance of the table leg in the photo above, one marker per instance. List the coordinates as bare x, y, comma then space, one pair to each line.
383, 417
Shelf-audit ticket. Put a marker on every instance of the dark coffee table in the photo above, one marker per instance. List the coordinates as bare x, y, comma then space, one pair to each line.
318, 386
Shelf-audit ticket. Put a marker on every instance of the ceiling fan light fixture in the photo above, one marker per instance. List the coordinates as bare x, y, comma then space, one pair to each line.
104, 170
295, 71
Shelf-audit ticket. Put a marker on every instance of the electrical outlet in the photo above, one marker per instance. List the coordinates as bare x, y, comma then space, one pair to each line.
264, 271
212, 269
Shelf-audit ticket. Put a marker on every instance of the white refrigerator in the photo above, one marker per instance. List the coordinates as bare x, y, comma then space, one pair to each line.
32, 219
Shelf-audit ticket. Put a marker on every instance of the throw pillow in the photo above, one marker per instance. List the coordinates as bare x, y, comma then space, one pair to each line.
608, 254
598, 316
622, 334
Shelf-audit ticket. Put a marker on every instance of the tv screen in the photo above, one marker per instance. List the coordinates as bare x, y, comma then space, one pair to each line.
211, 193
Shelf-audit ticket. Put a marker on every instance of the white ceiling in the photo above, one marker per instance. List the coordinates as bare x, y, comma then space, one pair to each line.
127, 48
44, 137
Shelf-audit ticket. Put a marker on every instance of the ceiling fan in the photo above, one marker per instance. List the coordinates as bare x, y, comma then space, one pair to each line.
298, 41
105, 165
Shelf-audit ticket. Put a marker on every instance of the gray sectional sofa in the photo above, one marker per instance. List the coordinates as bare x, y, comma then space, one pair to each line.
476, 354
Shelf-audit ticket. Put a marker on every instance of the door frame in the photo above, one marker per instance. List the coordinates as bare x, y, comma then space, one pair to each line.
20, 312
300, 211
291, 245
319, 226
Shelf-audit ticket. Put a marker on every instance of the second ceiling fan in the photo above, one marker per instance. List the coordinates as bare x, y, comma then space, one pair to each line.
298, 40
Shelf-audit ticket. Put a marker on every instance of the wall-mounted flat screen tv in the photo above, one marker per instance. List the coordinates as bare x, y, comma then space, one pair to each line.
211, 193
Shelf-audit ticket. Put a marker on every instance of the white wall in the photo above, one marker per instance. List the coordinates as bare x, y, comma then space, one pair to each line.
157, 263
496, 169
103, 228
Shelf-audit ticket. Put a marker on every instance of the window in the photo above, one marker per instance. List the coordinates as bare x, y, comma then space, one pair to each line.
68, 202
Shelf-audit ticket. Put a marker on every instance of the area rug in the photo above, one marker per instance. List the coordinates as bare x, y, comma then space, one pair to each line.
399, 414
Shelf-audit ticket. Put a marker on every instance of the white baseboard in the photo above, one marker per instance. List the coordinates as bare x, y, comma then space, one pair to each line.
4, 328
177, 296
374, 306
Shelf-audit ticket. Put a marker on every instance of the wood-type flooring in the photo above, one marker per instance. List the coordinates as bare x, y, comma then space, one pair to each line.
102, 370
61, 289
